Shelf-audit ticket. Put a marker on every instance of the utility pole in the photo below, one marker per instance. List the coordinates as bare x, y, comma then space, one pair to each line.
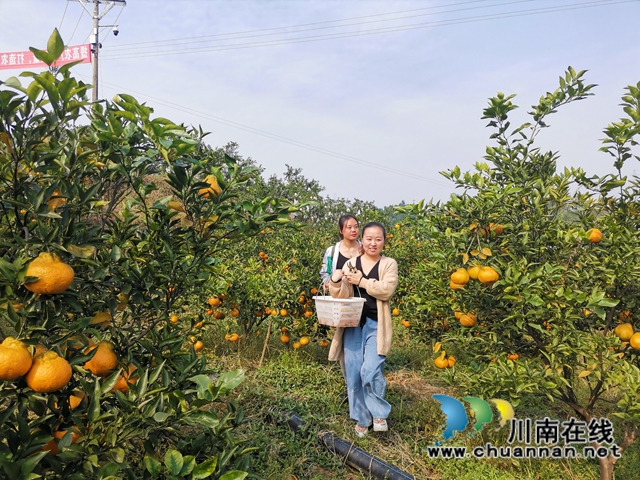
95, 36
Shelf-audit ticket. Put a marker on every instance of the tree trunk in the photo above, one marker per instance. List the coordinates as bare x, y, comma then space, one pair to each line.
606, 467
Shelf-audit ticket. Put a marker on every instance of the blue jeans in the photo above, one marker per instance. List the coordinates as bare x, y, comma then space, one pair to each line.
366, 385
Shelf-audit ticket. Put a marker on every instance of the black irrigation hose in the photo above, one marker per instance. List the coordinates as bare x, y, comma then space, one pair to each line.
354, 456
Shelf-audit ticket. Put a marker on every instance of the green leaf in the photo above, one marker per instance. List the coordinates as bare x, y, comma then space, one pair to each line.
230, 380
81, 252
161, 417
55, 45
205, 469
43, 56
608, 302
234, 475
153, 466
189, 464
173, 461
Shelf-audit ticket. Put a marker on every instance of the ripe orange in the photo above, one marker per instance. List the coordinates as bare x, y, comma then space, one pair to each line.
234, 337
235, 312
104, 360
284, 338
174, 318
125, 379
494, 228
274, 312
624, 331
451, 361
283, 329
405, 322
324, 343
513, 356
296, 345
214, 189
198, 325
460, 277
267, 311
54, 276
467, 320
488, 275
594, 235
52, 445
198, 346
395, 312
458, 314
304, 340
625, 316
15, 359
308, 313
441, 362
314, 291
54, 203
473, 272
214, 301
456, 286
283, 313
634, 341
49, 373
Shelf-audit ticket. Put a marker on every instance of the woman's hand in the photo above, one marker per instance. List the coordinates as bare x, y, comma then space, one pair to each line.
354, 278
337, 276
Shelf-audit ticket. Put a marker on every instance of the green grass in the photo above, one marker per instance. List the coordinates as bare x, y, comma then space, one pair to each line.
304, 383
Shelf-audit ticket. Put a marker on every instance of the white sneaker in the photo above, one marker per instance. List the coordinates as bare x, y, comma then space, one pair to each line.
361, 433
380, 425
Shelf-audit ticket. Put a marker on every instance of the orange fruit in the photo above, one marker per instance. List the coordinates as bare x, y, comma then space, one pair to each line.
513, 356
405, 322
274, 312
395, 312
234, 337
456, 286
177, 206
235, 312
625, 315
198, 325
103, 319
267, 311
74, 400
52, 445
458, 314
460, 276
214, 301
104, 361
314, 291
594, 235
219, 315
441, 362
283, 313
283, 329
473, 272
634, 341
451, 361
15, 359
488, 275
494, 228
54, 276
214, 189
467, 320
124, 379
324, 343
198, 345
39, 349
49, 373
284, 338
301, 299
304, 340
308, 313
624, 331
296, 345
174, 318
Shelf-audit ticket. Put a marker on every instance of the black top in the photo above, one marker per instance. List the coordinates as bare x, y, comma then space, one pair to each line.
370, 309
340, 262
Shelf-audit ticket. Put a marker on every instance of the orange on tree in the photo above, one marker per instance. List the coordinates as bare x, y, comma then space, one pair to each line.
460, 277
441, 362
284, 338
126, 379
304, 340
308, 313
283, 329
494, 230
451, 361
513, 356
488, 275
594, 235
15, 359
174, 318
218, 315
467, 320
456, 286
624, 331
52, 445
274, 312
199, 345
198, 325
54, 276
314, 291
57, 202
395, 312
296, 345
49, 373
104, 361
473, 272
458, 314
267, 311
234, 337
625, 315
324, 343
634, 341
235, 312
103, 319
405, 322
214, 301
283, 312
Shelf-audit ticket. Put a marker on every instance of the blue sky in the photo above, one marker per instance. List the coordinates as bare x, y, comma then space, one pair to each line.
406, 103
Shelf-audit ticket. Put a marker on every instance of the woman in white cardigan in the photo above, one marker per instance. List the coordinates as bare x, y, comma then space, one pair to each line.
364, 348
347, 247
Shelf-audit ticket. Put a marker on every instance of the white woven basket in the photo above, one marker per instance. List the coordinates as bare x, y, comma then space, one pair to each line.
339, 312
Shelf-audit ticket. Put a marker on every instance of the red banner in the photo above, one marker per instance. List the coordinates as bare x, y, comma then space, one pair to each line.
26, 60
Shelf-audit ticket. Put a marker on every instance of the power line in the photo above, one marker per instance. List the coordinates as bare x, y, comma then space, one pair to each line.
189, 40
279, 138
463, 20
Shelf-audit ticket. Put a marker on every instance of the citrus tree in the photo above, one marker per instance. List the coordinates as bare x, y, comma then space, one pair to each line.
97, 272
532, 278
